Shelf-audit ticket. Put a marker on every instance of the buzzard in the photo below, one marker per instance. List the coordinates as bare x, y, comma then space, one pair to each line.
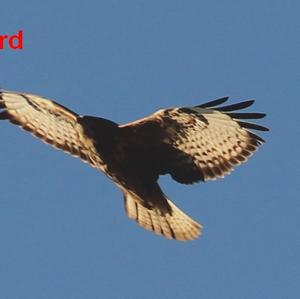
192, 144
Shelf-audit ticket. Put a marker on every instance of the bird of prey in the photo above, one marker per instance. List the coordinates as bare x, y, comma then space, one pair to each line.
191, 144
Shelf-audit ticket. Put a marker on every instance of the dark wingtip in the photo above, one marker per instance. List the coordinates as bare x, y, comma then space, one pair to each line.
237, 106
4, 115
252, 126
254, 136
253, 115
213, 103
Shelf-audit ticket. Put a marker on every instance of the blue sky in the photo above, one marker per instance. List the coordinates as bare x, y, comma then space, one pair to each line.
63, 230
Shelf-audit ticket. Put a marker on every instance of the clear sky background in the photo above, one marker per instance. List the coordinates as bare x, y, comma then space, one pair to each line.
63, 230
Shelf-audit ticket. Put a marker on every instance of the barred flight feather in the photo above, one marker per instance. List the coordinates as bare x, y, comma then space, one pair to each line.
192, 144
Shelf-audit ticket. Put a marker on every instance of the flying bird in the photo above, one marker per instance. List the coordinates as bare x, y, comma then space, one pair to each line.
191, 144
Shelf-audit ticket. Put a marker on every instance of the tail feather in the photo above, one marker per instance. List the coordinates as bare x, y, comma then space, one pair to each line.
172, 224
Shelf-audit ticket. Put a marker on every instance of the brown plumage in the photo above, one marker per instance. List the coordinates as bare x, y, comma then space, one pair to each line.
191, 144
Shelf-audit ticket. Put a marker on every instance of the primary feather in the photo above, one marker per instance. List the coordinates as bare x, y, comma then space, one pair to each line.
191, 144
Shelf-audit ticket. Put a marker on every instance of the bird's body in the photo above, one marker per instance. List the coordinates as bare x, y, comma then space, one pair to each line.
190, 143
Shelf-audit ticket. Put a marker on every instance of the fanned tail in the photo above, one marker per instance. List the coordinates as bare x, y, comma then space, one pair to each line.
166, 219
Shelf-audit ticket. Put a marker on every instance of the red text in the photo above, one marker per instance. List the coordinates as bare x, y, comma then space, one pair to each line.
14, 42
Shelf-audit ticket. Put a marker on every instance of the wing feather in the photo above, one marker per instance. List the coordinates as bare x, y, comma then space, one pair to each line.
214, 103
49, 121
204, 142
211, 141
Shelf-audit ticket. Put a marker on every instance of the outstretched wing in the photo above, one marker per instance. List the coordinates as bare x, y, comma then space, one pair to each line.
49, 121
203, 142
